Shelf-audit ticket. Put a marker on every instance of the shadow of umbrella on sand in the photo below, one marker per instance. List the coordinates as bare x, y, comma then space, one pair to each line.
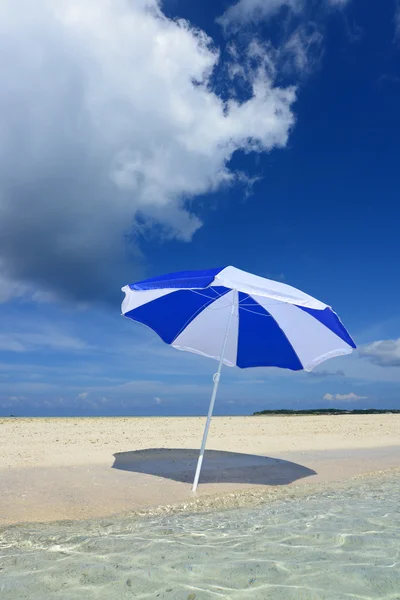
219, 466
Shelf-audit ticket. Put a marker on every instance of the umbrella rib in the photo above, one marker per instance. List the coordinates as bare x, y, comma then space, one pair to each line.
246, 297
243, 301
256, 313
205, 295
193, 316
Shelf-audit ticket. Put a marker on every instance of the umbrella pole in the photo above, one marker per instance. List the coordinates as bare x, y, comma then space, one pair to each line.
216, 379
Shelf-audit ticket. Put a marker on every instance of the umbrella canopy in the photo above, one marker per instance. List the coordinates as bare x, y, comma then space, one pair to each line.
272, 325
239, 319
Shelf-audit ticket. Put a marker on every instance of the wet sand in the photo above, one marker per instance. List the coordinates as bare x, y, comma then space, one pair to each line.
55, 469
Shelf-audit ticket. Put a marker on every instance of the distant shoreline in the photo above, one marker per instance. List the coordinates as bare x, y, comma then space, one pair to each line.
278, 413
326, 411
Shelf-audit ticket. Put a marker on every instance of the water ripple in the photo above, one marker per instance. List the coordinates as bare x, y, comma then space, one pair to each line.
324, 546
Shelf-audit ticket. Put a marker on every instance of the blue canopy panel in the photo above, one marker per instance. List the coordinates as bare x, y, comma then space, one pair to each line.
261, 342
179, 280
262, 333
169, 315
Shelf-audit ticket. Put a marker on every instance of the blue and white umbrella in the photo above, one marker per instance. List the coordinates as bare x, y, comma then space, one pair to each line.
239, 319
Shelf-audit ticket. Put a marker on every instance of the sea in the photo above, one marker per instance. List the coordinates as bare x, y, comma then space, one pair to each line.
328, 543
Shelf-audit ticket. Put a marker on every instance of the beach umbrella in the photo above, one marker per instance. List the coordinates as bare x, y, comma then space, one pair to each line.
240, 320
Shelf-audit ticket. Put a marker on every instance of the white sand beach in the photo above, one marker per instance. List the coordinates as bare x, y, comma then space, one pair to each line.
78, 468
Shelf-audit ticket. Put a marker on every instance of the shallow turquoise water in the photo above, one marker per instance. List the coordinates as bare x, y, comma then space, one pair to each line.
326, 546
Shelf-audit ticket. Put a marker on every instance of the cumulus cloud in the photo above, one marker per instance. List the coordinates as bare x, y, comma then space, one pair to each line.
111, 126
384, 353
344, 397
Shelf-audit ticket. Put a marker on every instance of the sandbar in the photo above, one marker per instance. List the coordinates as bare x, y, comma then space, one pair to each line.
81, 468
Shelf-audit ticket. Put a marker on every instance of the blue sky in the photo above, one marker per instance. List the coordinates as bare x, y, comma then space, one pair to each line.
154, 137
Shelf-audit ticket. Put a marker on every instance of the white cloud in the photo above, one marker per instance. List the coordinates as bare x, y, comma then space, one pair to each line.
110, 125
12, 401
247, 11
253, 11
158, 400
384, 353
324, 374
47, 338
344, 397
83, 395
10, 289
302, 51
300, 46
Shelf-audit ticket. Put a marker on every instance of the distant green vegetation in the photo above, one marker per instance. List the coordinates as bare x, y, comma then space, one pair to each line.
328, 411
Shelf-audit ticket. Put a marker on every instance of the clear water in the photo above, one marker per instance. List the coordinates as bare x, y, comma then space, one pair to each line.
325, 546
